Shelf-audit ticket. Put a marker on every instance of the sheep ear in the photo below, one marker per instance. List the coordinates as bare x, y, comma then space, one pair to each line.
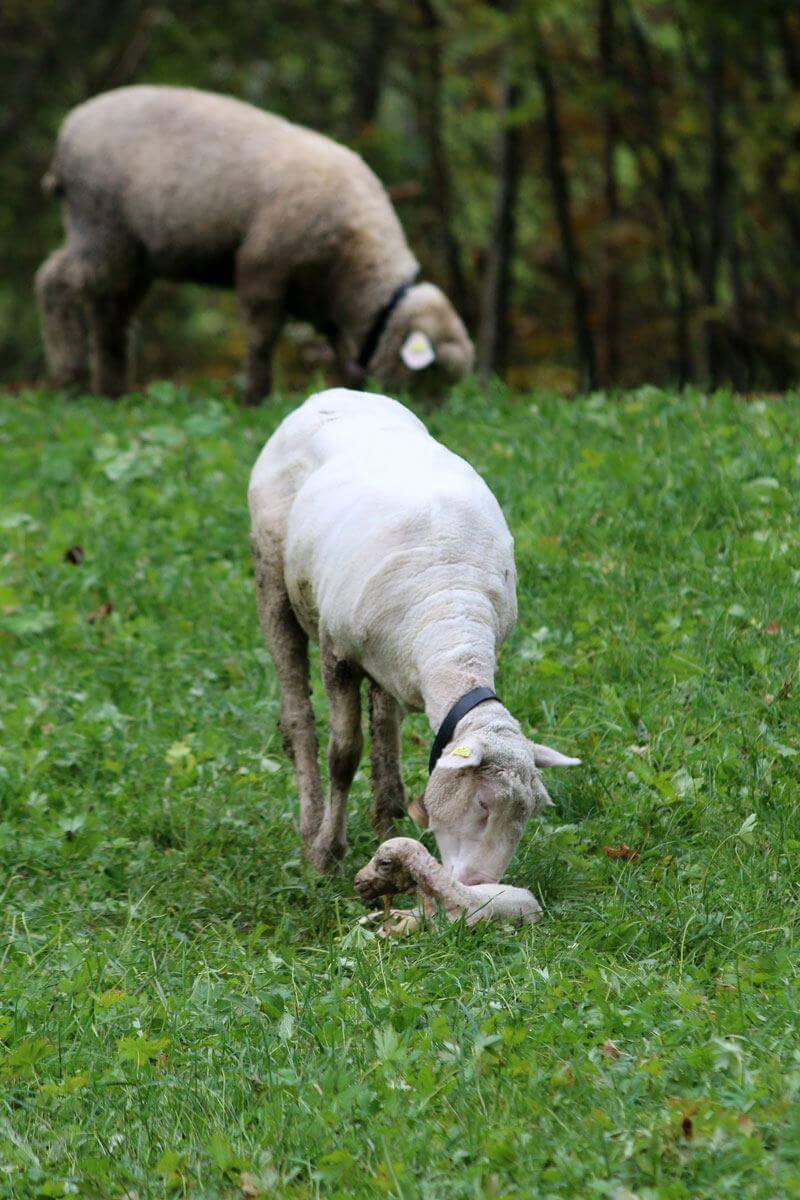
418, 812
542, 796
546, 756
417, 351
458, 755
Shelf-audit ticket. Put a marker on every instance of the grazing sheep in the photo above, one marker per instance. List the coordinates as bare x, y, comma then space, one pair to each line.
374, 540
404, 865
173, 183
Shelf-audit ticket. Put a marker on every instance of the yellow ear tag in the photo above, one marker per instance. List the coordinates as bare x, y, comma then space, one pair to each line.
461, 751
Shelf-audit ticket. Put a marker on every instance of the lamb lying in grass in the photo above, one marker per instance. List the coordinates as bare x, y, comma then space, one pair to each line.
404, 865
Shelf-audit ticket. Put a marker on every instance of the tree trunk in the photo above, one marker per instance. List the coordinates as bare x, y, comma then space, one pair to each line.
613, 282
559, 183
682, 242
493, 331
368, 83
787, 27
715, 200
791, 68
429, 76
744, 372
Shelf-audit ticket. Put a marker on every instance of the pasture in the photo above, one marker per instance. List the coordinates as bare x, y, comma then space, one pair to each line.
186, 1009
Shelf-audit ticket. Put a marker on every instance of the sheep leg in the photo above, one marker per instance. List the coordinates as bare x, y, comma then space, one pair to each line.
62, 309
110, 318
288, 645
342, 681
388, 793
263, 316
398, 922
258, 364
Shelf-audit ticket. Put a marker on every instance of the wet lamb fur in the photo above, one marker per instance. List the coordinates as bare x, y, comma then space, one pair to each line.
174, 183
403, 865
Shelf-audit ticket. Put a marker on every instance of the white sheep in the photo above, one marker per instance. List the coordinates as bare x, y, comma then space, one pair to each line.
376, 541
404, 865
165, 182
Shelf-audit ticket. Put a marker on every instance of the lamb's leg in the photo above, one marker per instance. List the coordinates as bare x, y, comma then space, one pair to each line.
342, 682
288, 646
62, 309
110, 319
388, 793
397, 922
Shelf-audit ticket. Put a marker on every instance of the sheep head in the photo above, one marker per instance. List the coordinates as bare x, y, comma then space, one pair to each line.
387, 873
425, 342
481, 794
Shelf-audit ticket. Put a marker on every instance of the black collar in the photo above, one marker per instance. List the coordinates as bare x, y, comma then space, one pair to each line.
376, 329
468, 701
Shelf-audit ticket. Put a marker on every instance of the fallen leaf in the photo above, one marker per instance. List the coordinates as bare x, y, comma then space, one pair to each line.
773, 627
101, 613
564, 1077
609, 1049
621, 851
75, 555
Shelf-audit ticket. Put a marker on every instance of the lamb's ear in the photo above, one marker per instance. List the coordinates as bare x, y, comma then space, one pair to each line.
458, 755
546, 756
417, 351
418, 812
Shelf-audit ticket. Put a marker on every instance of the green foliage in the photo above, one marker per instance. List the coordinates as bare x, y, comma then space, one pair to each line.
186, 1009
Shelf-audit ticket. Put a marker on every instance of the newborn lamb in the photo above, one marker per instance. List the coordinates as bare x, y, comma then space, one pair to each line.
404, 865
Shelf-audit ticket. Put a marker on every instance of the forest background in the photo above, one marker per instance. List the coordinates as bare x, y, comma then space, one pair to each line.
609, 190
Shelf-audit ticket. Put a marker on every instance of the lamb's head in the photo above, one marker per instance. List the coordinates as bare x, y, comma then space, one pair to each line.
386, 873
425, 342
481, 794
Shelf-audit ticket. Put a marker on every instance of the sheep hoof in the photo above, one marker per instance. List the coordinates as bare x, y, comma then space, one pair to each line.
398, 922
325, 856
401, 923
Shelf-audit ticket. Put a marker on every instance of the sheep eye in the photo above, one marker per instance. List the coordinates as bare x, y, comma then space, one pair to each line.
384, 862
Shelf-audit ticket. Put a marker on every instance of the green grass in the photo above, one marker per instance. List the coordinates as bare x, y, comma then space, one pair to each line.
185, 1008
